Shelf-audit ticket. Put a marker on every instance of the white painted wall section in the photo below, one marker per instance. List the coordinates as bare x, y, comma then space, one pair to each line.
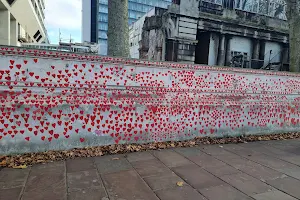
273, 56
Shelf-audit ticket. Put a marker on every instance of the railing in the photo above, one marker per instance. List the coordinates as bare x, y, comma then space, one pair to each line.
276, 8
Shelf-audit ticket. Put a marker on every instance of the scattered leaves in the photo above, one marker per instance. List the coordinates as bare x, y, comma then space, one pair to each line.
50, 156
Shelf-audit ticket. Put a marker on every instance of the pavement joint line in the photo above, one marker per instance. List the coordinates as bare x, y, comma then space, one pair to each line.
251, 175
176, 173
274, 155
182, 177
213, 174
248, 158
140, 176
100, 176
25, 184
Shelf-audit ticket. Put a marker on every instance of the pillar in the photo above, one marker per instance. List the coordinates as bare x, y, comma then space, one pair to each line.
4, 27
13, 32
256, 48
285, 54
118, 31
222, 51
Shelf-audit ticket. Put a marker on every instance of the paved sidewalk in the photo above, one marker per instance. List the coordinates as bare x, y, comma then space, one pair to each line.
262, 170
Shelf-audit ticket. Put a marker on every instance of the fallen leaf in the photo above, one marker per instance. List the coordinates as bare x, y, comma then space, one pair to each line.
20, 167
3, 163
116, 159
180, 184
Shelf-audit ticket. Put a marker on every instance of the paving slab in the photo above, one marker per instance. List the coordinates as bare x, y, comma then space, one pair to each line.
221, 170
275, 163
254, 169
83, 180
139, 156
197, 177
80, 164
179, 193
110, 164
46, 181
217, 151
206, 161
12, 178
10, 194
127, 185
288, 185
273, 195
88, 194
188, 151
150, 167
223, 192
170, 158
167, 180
246, 184
214, 171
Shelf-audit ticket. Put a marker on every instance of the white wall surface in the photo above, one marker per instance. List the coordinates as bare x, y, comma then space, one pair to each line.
241, 44
275, 55
86, 21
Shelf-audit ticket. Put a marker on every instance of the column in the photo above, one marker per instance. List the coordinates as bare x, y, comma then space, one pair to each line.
256, 48
285, 54
4, 27
13, 32
222, 51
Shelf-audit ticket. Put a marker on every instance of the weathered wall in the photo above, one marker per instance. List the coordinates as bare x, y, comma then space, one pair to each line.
50, 100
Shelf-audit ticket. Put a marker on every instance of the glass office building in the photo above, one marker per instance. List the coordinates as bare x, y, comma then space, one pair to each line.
136, 9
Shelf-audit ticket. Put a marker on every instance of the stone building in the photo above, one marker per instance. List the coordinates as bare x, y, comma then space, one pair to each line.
243, 33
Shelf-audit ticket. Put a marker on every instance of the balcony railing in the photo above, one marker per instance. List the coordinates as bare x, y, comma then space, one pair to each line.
272, 8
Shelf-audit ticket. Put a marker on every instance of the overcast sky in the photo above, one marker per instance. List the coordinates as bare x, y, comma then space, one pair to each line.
66, 16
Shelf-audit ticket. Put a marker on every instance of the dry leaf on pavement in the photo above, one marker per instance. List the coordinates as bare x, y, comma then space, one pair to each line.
20, 167
180, 184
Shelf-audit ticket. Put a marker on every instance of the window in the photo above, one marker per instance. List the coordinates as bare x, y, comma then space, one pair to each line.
102, 34
103, 9
37, 34
103, 17
10, 1
103, 26
101, 41
103, 2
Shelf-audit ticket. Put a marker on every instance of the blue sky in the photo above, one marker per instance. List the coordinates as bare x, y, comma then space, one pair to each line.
66, 16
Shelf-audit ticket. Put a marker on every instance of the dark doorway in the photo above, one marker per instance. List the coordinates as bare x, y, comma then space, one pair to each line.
202, 48
171, 50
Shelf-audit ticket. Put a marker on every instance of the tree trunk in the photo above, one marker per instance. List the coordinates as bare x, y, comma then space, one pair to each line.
118, 31
293, 16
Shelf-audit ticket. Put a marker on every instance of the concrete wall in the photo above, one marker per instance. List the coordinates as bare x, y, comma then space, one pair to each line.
275, 55
241, 44
52, 100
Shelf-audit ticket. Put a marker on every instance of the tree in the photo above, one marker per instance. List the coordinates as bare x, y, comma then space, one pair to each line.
293, 16
118, 31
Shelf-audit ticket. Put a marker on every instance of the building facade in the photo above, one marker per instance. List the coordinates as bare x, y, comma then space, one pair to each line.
65, 47
99, 21
245, 33
22, 21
